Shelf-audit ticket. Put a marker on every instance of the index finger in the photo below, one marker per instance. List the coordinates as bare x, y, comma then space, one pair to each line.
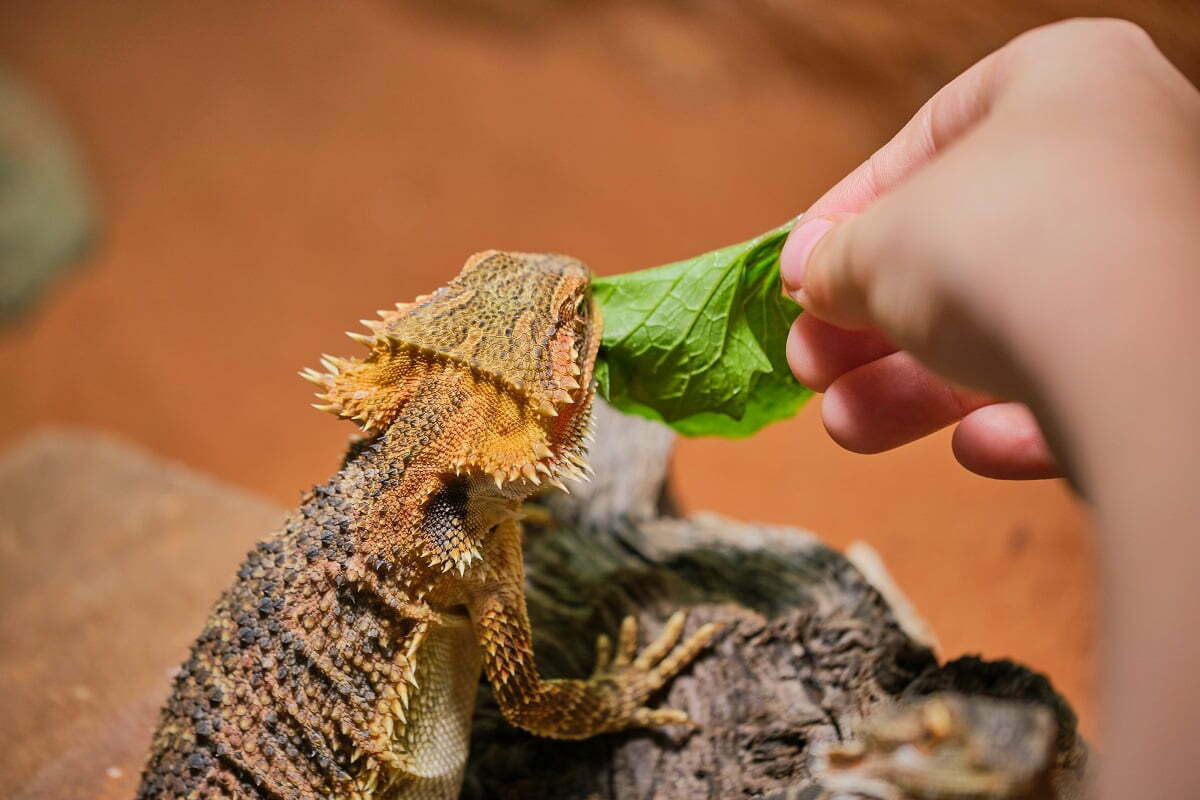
955, 108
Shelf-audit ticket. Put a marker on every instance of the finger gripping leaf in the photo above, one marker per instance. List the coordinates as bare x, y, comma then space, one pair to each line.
699, 344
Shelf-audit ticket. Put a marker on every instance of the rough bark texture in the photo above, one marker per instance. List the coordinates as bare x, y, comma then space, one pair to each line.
811, 648
111, 567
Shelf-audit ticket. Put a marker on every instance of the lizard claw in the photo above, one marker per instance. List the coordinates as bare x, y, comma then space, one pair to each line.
654, 717
626, 641
603, 655
636, 676
657, 650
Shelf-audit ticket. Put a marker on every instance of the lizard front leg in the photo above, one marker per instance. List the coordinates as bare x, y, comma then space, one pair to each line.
612, 699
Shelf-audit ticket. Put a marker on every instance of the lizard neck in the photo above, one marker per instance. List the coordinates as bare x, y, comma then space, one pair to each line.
412, 495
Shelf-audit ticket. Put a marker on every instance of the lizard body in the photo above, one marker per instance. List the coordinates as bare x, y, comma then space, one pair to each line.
345, 659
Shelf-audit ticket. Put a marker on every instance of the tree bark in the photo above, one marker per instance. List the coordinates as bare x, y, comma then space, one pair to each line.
811, 652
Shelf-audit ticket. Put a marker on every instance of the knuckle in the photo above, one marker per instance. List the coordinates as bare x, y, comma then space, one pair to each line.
1085, 46
1090, 31
1109, 31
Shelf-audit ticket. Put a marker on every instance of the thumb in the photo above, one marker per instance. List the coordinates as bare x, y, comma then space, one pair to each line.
879, 271
819, 272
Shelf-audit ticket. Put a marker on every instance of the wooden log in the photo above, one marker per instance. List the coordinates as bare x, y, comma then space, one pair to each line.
811, 653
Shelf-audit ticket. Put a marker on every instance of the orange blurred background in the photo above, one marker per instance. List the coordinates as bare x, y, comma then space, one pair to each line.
269, 172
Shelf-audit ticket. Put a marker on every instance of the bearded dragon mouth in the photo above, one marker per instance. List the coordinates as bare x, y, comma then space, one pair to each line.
571, 428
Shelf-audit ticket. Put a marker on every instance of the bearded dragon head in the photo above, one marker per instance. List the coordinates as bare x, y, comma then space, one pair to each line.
510, 344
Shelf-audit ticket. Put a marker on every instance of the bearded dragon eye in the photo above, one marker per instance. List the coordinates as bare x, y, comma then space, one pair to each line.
581, 305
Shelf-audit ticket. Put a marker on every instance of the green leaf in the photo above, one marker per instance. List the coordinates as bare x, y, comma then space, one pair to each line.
699, 344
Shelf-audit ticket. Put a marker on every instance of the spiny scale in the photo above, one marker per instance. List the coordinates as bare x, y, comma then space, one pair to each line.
344, 660
371, 390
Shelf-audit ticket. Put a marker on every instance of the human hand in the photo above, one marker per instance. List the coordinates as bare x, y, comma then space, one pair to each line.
1033, 233
993, 243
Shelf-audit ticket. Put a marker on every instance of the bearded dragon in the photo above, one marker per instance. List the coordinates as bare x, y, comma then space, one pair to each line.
345, 659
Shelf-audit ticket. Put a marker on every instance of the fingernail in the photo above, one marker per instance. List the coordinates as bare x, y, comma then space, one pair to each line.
793, 259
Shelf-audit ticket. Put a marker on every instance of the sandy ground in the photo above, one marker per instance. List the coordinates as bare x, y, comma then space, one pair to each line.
271, 172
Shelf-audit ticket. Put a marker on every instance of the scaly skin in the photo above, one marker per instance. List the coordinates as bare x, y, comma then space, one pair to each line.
945, 747
345, 659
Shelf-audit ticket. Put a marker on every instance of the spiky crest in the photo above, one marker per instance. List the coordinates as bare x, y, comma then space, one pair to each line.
512, 339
